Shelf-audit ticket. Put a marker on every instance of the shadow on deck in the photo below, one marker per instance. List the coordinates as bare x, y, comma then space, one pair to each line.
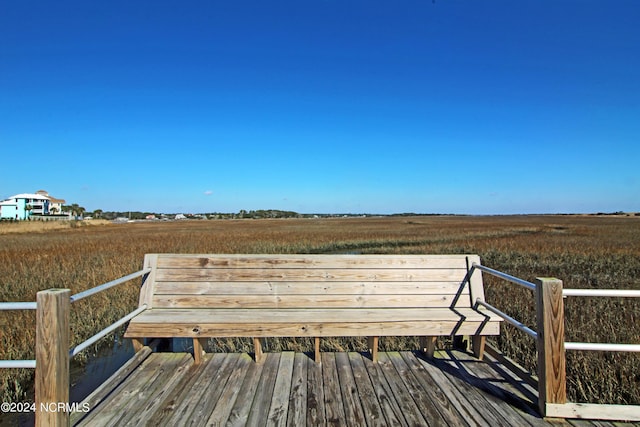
403, 389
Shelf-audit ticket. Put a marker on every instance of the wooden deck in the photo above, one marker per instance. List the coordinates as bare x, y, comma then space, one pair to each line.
403, 389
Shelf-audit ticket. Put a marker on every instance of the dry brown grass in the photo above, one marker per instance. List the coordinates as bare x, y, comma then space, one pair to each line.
39, 226
584, 252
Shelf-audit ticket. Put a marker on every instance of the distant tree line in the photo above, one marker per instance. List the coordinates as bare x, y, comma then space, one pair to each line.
242, 214
111, 215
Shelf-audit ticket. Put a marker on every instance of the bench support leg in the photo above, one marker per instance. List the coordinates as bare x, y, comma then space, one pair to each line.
373, 348
257, 346
462, 342
138, 343
198, 350
478, 345
428, 346
316, 350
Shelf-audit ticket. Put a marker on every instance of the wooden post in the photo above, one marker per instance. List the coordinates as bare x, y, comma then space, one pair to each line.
138, 343
428, 346
552, 382
316, 350
52, 357
478, 342
257, 346
373, 348
198, 350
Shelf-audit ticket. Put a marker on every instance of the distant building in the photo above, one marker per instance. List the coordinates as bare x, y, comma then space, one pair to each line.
25, 205
55, 205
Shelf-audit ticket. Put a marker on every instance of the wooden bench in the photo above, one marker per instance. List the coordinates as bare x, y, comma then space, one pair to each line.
259, 296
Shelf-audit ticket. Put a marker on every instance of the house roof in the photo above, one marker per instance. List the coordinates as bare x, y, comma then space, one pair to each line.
35, 196
30, 196
53, 199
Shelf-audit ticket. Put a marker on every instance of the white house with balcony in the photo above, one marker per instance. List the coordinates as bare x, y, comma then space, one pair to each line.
26, 205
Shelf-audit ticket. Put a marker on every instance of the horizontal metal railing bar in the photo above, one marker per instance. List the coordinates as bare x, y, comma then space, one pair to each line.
506, 277
28, 305
108, 285
519, 325
13, 364
601, 347
80, 347
18, 306
623, 293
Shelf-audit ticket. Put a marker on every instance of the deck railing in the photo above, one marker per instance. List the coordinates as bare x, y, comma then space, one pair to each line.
52, 347
53, 354
552, 395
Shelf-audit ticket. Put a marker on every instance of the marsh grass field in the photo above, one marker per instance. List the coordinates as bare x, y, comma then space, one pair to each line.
583, 251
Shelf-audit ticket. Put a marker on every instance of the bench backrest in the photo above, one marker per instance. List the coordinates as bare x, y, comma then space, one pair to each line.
309, 281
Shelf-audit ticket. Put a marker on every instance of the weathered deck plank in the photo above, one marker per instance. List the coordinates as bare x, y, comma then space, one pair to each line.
410, 410
230, 391
137, 389
104, 390
431, 376
157, 394
282, 389
297, 414
264, 392
384, 394
426, 395
452, 389
242, 406
187, 398
210, 394
372, 408
494, 399
332, 399
315, 395
354, 414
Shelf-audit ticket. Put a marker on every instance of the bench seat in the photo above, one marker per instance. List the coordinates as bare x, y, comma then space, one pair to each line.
310, 322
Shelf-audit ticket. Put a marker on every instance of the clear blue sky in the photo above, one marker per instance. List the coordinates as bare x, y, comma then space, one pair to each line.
480, 107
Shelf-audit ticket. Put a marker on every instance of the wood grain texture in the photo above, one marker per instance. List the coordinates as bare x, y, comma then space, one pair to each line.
280, 400
52, 355
552, 386
333, 329
315, 404
264, 391
595, 411
245, 295
246, 393
198, 350
263, 287
305, 261
373, 410
344, 315
404, 389
309, 275
297, 411
402, 393
354, 414
302, 301
149, 281
230, 391
107, 387
334, 408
